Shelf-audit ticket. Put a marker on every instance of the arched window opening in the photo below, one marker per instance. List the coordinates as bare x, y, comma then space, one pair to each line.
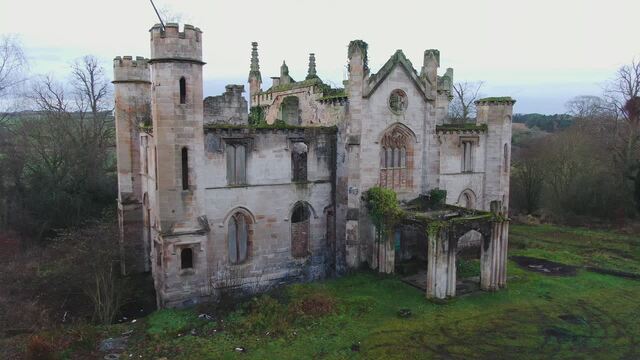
183, 90
300, 230
185, 168
467, 199
467, 156
396, 158
299, 161
186, 258
238, 238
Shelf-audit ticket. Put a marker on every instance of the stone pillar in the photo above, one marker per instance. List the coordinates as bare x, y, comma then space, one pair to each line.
493, 254
441, 264
387, 252
132, 93
357, 72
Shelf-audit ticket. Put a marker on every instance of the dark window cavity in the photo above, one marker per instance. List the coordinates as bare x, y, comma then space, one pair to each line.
186, 258
300, 230
183, 90
185, 168
299, 161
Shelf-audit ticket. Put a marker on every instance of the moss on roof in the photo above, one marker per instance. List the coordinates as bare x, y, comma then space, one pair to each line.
497, 99
295, 85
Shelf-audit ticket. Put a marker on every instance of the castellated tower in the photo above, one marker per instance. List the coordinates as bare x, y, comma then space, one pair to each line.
177, 112
133, 100
496, 113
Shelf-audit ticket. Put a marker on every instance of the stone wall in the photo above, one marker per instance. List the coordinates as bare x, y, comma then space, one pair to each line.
228, 108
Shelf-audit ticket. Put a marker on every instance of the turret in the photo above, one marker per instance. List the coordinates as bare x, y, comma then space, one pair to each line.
177, 111
255, 78
132, 92
284, 74
496, 113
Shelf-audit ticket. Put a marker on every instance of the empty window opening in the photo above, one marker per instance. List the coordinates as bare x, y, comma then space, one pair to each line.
290, 110
186, 258
238, 238
467, 199
299, 161
185, 168
183, 90
236, 164
467, 156
300, 230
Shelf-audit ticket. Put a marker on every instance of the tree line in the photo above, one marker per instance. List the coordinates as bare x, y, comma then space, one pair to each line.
591, 168
57, 157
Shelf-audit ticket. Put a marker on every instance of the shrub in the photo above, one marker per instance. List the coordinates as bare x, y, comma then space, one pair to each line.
38, 348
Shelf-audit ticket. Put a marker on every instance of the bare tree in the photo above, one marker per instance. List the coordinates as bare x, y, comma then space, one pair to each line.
462, 108
588, 107
13, 67
62, 152
623, 96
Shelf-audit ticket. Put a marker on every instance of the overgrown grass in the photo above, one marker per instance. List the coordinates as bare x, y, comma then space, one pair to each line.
588, 316
577, 246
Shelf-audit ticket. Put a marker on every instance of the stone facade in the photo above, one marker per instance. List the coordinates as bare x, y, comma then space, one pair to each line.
215, 198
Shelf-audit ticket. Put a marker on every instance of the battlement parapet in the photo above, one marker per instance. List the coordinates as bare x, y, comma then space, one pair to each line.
126, 69
171, 44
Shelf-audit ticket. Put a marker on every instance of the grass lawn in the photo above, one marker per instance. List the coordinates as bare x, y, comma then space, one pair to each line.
587, 316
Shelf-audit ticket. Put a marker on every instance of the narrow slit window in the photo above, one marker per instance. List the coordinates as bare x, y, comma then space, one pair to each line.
183, 90
185, 169
186, 258
506, 158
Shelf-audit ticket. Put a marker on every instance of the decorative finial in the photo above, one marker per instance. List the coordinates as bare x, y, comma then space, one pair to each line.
255, 64
311, 73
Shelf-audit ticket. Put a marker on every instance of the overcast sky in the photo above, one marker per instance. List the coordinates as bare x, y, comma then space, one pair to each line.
541, 52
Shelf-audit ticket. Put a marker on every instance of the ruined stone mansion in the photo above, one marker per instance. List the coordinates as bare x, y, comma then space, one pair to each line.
217, 194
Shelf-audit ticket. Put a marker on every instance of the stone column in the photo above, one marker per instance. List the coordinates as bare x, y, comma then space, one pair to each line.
441, 265
387, 253
493, 258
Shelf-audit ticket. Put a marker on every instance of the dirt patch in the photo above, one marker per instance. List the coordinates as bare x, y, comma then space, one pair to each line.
544, 266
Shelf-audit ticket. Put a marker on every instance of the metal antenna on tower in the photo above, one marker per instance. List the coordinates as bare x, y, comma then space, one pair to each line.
157, 13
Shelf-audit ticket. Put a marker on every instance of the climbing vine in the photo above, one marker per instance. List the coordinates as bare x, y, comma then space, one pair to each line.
383, 208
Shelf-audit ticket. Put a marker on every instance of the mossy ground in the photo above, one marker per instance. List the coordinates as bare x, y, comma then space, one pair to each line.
587, 316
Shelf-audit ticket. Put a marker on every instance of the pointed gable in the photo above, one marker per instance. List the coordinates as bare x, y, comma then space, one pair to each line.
397, 59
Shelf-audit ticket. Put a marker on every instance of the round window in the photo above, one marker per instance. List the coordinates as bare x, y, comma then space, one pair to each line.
398, 101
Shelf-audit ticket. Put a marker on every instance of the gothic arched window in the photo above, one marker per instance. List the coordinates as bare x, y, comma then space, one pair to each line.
396, 157
238, 237
300, 230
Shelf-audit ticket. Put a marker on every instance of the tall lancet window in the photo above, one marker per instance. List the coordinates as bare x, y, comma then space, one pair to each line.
185, 168
183, 90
